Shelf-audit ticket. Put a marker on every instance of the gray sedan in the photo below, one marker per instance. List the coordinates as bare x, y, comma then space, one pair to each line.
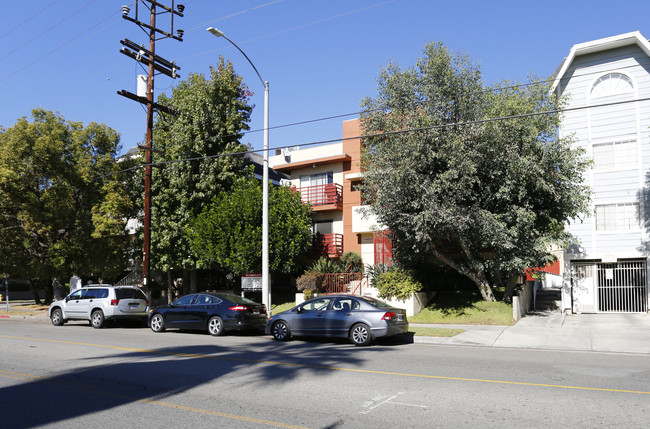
361, 319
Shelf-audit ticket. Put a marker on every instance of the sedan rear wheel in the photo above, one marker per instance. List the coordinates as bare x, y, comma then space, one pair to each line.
360, 334
281, 331
157, 323
215, 326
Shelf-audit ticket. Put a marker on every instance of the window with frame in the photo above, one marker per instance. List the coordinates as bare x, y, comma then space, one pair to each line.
316, 305
78, 294
611, 84
617, 217
186, 300
615, 155
316, 179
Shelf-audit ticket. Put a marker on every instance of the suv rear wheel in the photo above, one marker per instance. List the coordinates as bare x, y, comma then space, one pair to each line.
97, 319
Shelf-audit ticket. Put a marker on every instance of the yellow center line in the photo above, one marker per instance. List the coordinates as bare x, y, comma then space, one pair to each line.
333, 368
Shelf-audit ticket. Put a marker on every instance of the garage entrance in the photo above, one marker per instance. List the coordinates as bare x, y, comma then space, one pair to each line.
619, 287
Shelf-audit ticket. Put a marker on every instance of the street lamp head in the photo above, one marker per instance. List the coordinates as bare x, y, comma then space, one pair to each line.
215, 31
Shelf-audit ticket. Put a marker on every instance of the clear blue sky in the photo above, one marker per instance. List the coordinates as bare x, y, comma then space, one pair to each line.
321, 57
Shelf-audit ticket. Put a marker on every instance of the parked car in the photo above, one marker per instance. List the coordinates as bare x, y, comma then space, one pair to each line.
214, 312
361, 319
99, 303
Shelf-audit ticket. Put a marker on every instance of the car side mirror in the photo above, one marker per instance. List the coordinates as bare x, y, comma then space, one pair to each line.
299, 309
67, 298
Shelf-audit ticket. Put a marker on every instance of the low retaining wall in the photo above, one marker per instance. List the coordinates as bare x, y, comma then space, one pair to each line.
522, 301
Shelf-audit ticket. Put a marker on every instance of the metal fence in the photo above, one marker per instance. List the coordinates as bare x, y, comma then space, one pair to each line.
622, 287
345, 283
619, 287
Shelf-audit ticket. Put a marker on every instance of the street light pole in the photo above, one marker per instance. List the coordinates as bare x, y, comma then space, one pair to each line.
266, 287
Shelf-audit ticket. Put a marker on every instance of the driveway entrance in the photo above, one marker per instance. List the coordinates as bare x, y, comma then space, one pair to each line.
619, 287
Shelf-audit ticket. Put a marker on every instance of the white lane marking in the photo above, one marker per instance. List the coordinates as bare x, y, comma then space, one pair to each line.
383, 400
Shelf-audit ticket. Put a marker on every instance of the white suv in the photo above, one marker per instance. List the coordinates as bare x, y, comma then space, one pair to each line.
98, 303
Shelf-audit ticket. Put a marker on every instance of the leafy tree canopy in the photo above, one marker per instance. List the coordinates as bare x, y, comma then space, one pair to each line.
229, 231
62, 210
213, 114
484, 197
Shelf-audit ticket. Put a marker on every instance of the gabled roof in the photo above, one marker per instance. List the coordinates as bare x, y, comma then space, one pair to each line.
599, 46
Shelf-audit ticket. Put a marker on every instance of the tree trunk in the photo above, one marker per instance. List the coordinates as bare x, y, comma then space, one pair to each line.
186, 282
483, 286
48, 293
194, 285
477, 277
170, 287
510, 288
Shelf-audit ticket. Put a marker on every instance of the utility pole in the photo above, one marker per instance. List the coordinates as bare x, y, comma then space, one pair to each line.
155, 64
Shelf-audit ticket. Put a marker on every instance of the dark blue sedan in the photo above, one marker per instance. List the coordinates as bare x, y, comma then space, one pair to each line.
214, 312
361, 319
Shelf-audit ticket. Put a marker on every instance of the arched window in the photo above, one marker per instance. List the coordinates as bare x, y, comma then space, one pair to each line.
611, 84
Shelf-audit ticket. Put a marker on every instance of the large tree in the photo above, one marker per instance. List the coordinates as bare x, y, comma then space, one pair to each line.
213, 113
459, 187
228, 232
62, 208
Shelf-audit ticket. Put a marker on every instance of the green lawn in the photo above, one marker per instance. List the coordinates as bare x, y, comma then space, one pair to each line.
464, 307
278, 308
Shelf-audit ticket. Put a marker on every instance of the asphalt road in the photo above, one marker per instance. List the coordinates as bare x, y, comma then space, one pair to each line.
75, 376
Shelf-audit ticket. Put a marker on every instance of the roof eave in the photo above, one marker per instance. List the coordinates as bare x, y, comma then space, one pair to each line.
600, 45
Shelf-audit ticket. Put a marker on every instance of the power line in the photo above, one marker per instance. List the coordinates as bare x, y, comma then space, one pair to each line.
202, 25
28, 19
416, 103
58, 47
389, 133
309, 24
49, 29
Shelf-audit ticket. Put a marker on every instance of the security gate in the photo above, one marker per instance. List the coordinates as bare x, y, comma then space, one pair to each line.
619, 287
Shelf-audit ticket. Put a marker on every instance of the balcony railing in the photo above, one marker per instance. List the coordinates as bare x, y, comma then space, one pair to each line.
330, 245
323, 197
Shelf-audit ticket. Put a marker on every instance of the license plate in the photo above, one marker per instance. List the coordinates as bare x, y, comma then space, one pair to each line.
132, 305
256, 311
400, 318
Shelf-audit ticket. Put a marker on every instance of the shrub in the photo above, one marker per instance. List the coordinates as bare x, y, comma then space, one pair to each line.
352, 262
398, 283
325, 265
310, 282
374, 271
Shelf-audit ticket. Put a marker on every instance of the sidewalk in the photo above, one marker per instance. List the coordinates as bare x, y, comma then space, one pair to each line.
621, 333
